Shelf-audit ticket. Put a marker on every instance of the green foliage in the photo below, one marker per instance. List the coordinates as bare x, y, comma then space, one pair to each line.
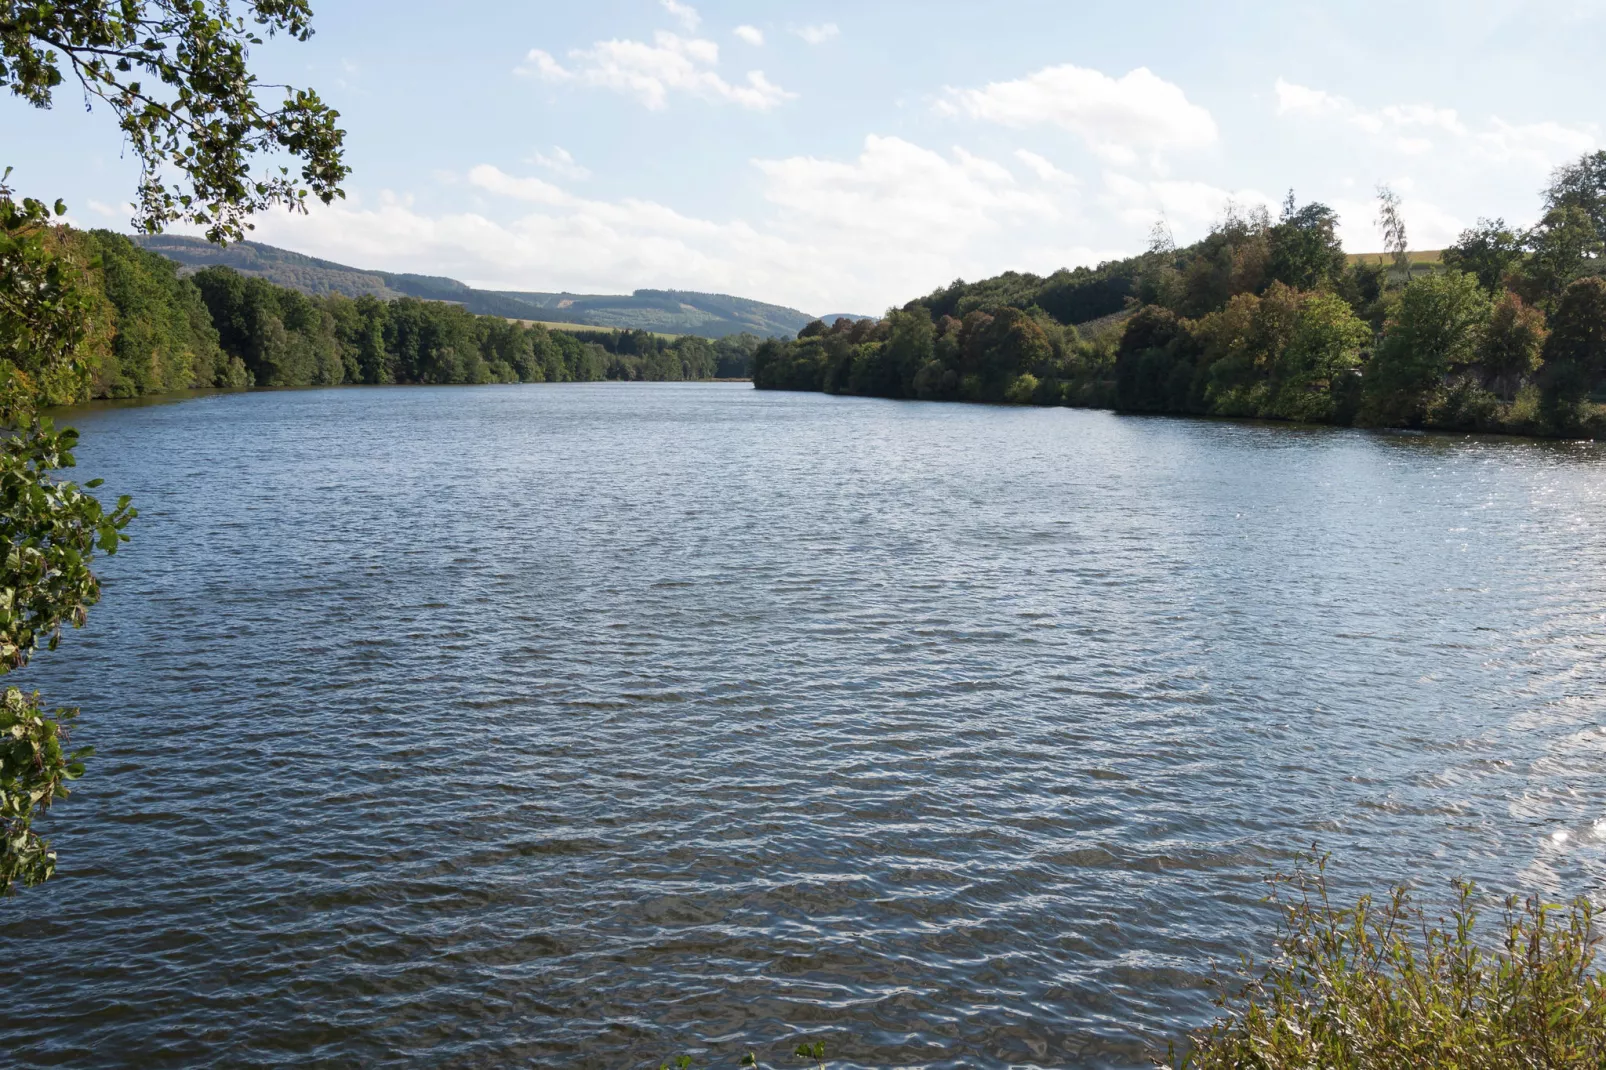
174, 73
1435, 329
163, 339
1265, 320
50, 529
1512, 345
1575, 354
1069, 296
1581, 185
219, 328
1378, 985
1392, 224
44, 312
670, 311
1304, 248
1231, 260
814, 1052
35, 769
1489, 251
1324, 347
1564, 246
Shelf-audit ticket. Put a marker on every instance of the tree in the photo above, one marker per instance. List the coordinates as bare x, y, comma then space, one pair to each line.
1512, 345
1146, 359
175, 74
1161, 242
1581, 185
1305, 251
1393, 227
1575, 352
1489, 251
1562, 246
1435, 328
1325, 345
910, 345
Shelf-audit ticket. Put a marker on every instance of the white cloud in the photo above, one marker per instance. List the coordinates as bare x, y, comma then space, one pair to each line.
1427, 225
650, 72
1189, 206
751, 34
1117, 117
1543, 144
1416, 129
562, 164
1299, 99
1042, 168
817, 35
1403, 126
899, 194
685, 13
854, 234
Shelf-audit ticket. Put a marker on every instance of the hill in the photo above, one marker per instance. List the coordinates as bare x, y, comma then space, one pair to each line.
661, 311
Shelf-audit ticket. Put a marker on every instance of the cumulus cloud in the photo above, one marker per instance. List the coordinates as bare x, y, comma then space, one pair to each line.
1043, 168
860, 233
1415, 129
1543, 144
1428, 225
899, 193
817, 35
685, 14
751, 34
1117, 117
650, 72
1193, 205
562, 164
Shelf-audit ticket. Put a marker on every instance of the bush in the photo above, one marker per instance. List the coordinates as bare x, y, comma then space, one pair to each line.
1022, 391
1378, 986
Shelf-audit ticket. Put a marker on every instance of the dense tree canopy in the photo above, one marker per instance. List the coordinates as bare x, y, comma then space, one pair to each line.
145, 329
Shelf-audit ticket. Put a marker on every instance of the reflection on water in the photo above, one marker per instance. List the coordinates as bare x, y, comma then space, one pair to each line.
586, 725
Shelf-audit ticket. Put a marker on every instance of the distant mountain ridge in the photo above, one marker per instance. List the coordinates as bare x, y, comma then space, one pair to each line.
666, 311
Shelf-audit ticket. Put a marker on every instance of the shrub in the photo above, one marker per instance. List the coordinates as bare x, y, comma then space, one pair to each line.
1022, 390
1378, 986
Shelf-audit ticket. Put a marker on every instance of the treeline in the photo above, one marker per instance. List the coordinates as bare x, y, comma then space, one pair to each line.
153, 331
1269, 319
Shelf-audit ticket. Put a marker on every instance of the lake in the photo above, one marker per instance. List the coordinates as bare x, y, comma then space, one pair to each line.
587, 725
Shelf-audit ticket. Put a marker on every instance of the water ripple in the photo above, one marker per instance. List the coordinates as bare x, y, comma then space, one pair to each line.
587, 725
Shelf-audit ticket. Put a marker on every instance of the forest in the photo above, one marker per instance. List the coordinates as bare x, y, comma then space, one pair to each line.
153, 330
1267, 319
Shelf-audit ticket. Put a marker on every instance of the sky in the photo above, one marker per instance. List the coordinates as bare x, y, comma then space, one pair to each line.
847, 157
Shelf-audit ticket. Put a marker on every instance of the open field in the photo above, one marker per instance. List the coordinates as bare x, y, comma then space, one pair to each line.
584, 328
1417, 256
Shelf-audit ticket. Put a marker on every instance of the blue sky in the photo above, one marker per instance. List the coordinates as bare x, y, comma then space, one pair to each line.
848, 156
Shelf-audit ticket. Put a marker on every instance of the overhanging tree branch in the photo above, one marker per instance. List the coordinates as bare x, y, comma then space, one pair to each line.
196, 142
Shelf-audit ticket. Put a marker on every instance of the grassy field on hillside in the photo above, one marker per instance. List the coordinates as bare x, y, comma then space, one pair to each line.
1418, 256
584, 328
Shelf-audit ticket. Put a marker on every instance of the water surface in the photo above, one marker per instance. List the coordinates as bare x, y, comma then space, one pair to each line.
586, 725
